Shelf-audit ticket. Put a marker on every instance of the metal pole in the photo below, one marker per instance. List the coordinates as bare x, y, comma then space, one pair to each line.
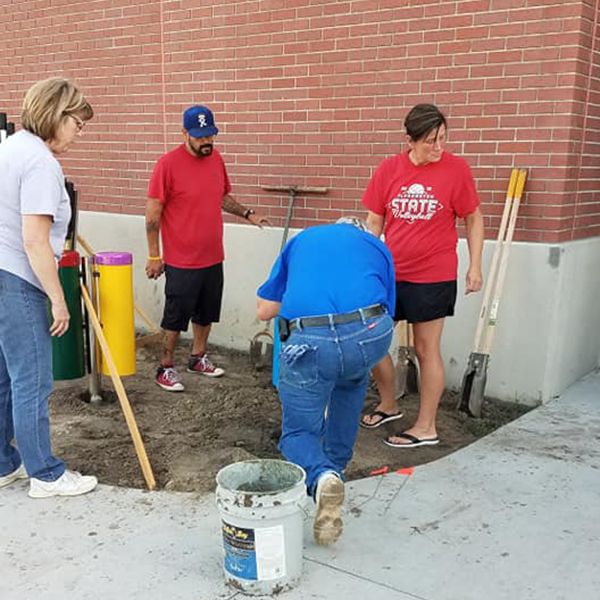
95, 384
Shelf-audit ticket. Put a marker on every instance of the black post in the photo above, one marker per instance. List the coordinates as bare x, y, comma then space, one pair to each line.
72, 228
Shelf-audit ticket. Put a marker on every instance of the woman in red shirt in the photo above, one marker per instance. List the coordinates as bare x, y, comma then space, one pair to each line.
414, 199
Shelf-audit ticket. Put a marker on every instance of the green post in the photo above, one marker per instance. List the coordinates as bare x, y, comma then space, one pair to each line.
68, 355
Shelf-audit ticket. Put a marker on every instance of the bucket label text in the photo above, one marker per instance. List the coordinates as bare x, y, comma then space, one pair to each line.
254, 554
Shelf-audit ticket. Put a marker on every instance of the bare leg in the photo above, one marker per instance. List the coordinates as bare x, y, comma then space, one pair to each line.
168, 352
201, 333
385, 378
428, 336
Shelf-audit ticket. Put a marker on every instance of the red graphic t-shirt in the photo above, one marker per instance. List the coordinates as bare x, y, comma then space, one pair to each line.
191, 190
420, 205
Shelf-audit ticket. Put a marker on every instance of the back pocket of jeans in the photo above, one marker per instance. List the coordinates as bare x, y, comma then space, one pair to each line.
298, 365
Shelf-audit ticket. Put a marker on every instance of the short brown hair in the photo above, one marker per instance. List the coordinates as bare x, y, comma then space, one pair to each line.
48, 102
422, 119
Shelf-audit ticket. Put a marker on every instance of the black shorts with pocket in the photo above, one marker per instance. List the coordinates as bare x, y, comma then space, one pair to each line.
420, 302
192, 294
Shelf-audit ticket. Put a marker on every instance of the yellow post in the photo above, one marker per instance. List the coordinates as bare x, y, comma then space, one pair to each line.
115, 297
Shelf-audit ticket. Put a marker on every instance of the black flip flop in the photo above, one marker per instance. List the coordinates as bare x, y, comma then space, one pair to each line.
385, 418
414, 442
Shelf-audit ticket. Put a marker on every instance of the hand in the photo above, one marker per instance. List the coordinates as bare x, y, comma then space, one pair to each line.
154, 268
60, 316
474, 280
258, 220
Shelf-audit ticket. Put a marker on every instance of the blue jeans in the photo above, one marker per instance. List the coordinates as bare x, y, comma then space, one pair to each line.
324, 373
25, 380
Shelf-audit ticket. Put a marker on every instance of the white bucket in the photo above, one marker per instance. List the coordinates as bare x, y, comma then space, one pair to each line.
261, 507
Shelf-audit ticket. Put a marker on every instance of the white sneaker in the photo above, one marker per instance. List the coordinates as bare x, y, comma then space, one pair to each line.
328, 524
70, 483
19, 473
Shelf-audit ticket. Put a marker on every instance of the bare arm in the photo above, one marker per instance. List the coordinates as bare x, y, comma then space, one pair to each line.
233, 207
375, 223
267, 309
154, 264
475, 235
36, 241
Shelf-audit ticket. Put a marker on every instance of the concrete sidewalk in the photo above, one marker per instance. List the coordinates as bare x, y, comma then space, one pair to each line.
514, 516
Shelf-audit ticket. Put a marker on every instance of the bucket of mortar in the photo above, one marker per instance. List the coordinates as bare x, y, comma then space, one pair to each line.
261, 507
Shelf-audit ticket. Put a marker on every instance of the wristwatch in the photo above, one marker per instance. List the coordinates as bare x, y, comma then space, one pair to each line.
248, 212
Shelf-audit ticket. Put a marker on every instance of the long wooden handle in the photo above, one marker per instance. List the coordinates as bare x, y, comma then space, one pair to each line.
298, 190
146, 319
402, 351
493, 313
120, 390
491, 277
86, 247
403, 334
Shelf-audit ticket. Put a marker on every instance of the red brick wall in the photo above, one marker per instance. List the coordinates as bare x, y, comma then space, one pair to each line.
314, 93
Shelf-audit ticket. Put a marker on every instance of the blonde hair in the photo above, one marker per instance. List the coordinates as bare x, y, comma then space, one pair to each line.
48, 102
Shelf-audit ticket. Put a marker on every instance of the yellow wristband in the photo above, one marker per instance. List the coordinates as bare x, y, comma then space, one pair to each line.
154, 258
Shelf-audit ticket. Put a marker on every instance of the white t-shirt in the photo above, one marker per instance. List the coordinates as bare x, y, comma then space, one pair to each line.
31, 183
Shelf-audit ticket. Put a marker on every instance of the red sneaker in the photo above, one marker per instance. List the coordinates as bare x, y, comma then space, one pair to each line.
168, 379
203, 365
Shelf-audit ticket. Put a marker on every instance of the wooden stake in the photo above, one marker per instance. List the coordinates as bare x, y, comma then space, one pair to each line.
120, 390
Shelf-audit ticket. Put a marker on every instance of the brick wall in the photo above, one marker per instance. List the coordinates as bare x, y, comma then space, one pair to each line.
314, 93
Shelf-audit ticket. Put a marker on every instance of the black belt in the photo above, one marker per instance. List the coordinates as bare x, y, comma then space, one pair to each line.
340, 319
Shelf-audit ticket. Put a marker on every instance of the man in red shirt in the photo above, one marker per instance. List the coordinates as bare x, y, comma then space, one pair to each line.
188, 191
414, 198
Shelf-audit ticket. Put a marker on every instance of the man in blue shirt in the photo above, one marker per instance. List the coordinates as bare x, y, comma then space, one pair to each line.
333, 288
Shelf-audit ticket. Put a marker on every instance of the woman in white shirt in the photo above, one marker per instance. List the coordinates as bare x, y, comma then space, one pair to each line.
34, 216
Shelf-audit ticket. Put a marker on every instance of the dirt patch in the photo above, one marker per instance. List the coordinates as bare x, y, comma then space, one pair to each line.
190, 435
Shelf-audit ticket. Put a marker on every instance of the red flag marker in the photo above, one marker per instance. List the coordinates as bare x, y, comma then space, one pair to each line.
406, 471
381, 471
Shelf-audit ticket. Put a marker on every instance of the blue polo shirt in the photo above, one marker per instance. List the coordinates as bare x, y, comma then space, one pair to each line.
331, 269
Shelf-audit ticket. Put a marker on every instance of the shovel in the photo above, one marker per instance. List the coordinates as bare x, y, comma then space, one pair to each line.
407, 371
263, 344
475, 376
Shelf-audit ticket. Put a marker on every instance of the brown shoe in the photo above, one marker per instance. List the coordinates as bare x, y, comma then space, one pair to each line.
328, 524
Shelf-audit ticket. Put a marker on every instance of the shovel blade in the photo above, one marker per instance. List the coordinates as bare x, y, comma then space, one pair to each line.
401, 377
407, 373
412, 376
261, 350
475, 400
473, 385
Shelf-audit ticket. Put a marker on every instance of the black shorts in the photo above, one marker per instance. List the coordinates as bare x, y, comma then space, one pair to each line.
192, 294
420, 302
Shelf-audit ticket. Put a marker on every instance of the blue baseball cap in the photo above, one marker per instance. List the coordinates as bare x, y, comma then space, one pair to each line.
199, 122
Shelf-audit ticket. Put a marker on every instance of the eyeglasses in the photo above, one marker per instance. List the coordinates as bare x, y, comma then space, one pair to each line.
78, 122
